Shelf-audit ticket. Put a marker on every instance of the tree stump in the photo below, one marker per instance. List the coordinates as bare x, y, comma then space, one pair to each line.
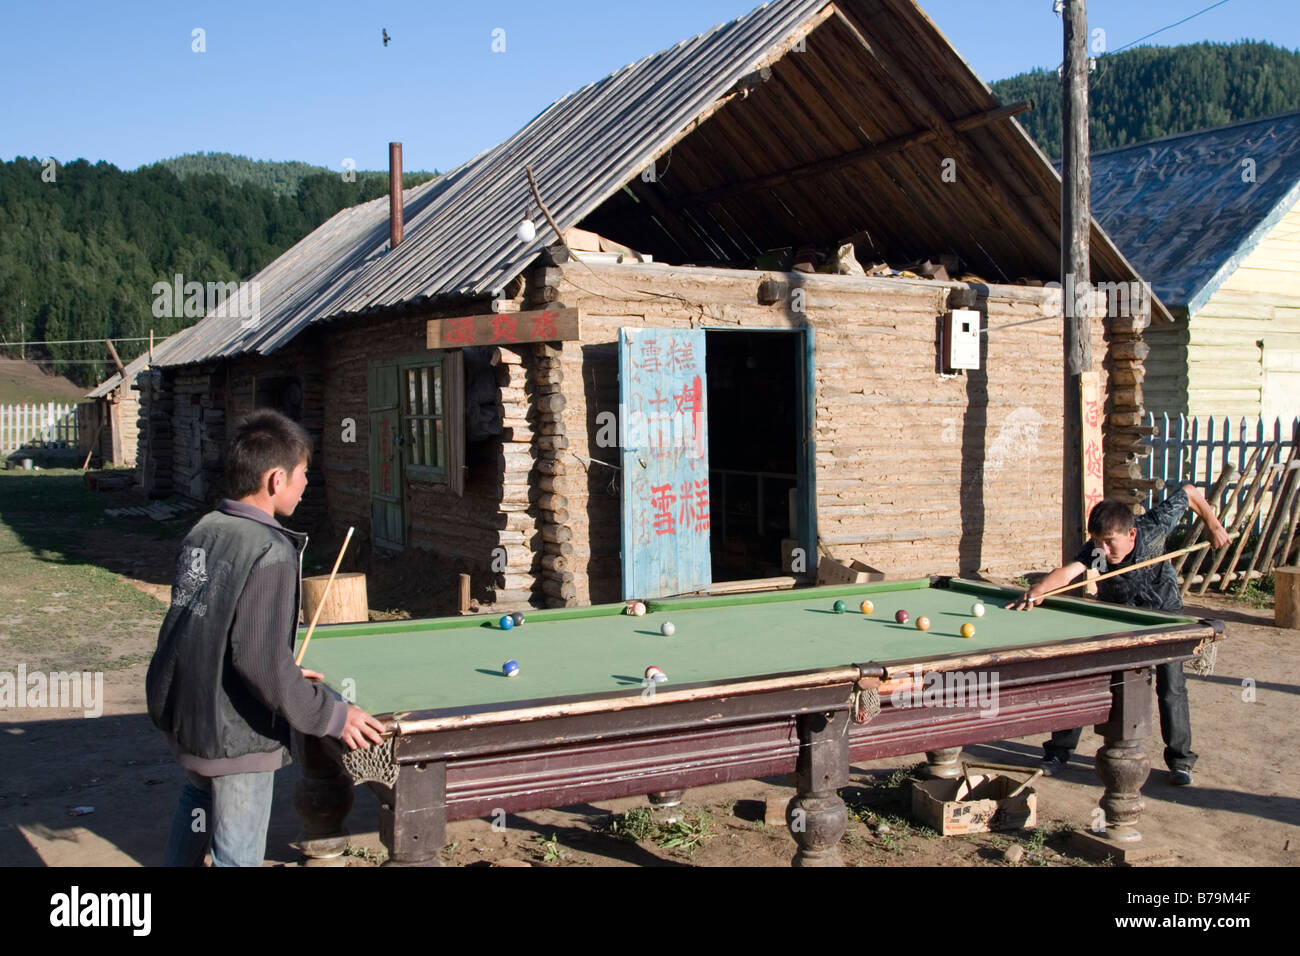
1286, 596
347, 600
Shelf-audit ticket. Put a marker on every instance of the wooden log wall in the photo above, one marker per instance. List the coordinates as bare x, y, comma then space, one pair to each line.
917, 472
156, 441
466, 530
1122, 431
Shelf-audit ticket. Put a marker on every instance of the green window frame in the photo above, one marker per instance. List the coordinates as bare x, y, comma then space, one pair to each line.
433, 417
424, 428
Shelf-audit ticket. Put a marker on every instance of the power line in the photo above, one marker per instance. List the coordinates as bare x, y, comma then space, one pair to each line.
73, 341
1171, 26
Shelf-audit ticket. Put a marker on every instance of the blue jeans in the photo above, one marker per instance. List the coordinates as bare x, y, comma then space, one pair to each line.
236, 809
1175, 721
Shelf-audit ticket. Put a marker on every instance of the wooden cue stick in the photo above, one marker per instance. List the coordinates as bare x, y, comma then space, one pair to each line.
1131, 567
321, 605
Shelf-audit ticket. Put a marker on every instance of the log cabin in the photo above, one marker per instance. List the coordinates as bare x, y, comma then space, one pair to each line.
697, 322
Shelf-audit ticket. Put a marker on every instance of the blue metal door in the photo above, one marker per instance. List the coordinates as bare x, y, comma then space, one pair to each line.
663, 422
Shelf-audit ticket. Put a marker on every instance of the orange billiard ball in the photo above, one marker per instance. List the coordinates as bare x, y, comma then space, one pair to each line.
923, 623
866, 607
968, 629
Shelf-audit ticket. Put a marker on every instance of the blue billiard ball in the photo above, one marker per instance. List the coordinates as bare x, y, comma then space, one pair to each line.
507, 622
510, 668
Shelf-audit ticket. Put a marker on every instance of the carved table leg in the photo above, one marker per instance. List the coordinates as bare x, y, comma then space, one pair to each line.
322, 798
816, 816
1122, 764
413, 815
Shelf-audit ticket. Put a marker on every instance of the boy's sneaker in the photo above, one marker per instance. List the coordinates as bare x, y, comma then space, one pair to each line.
1180, 778
1051, 766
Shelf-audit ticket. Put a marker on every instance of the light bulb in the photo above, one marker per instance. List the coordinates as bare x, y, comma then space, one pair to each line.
526, 232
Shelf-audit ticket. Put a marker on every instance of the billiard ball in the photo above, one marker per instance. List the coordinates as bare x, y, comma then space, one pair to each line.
667, 629
630, 608
510, 668
838, 607
507, 622
655, 675
866, 607
638, 609
902, 617
922, 623
518, 618
977, 608
968, 629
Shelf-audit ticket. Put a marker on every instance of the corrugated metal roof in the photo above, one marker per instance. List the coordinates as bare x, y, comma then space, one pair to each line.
460, 229
1182, 209
872, 72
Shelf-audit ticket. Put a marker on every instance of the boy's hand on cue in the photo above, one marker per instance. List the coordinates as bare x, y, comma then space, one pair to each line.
312, 675
1218, 536
361, 729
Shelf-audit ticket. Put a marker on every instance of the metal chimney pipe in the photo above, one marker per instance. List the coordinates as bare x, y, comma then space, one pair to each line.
394, 194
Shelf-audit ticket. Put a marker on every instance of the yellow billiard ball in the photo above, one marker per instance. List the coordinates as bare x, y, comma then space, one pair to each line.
923, 623
968, 629
866, 607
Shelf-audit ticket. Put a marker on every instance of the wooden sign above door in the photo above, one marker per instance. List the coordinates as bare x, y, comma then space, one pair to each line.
505, 328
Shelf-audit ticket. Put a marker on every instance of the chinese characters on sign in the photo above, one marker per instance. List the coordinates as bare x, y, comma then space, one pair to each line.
664, 424
1092, 449
504, 328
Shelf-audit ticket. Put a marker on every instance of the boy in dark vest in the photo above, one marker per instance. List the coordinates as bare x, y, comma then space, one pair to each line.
222, 684
1116, 541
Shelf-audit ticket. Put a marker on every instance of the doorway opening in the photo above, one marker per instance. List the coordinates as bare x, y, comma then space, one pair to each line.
756, 415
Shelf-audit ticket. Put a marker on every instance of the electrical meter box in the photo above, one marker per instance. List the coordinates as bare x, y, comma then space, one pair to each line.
961, 339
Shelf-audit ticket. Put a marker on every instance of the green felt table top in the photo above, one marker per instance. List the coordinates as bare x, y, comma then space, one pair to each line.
457, 662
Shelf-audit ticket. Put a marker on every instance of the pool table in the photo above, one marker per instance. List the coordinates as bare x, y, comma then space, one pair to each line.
757, 684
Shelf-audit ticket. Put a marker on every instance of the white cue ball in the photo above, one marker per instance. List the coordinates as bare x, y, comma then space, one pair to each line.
977, 609
667, 629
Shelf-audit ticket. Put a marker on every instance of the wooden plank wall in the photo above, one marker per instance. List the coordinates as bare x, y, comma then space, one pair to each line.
466, 530
1260, 301
917, 472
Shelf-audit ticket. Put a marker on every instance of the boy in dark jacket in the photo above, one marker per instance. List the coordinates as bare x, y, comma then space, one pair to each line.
222, 684
1118, 540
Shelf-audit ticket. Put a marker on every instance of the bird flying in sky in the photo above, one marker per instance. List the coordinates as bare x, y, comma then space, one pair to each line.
386, 36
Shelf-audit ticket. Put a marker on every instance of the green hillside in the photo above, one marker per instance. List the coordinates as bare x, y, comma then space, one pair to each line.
282, 178
1150, 91
79, 256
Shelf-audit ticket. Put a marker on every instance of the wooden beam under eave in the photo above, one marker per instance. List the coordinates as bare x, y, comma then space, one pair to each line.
893, 76
872, 153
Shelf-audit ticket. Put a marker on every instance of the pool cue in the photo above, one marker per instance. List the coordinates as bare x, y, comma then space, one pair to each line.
1131, 567
321, 606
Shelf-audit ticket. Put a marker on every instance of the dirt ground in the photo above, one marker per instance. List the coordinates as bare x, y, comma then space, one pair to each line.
78, 791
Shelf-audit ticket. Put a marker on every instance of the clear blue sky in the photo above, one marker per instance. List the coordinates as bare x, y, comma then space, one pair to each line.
283, 79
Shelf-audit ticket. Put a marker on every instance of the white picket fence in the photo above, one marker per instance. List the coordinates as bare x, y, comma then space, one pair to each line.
51, 425
1194, 451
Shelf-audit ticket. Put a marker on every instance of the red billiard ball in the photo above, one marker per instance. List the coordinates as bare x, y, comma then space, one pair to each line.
902, 617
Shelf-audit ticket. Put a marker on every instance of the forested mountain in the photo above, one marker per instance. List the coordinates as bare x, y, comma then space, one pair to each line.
79, 256
282, 178
1146, 92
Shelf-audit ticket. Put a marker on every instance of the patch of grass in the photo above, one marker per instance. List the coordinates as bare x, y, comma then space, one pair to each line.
634, 826
552, 852
373, 857
1021, 582
1260, 592
687, 835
